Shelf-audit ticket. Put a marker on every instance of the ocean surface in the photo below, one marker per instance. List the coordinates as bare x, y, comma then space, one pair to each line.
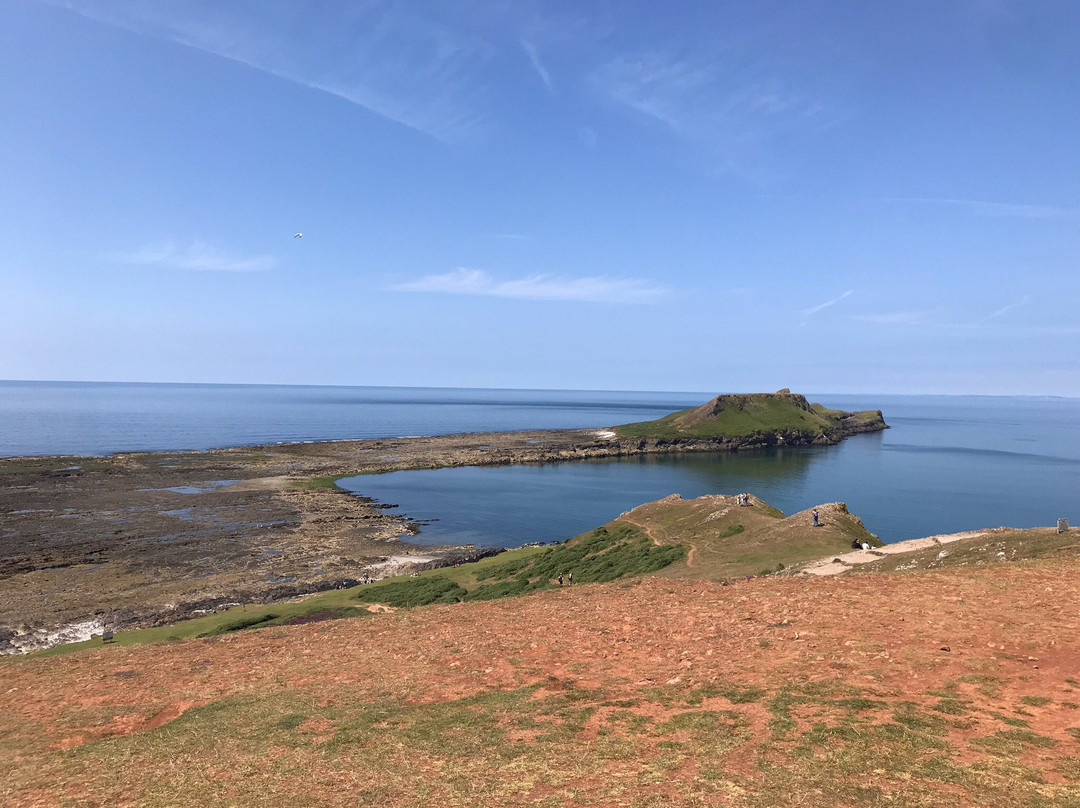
92, 418
948, 463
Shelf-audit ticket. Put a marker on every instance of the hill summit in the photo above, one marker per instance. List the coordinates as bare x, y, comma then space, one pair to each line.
755, 419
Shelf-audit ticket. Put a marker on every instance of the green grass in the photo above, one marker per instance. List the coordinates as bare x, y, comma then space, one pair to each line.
408, 592
735, 693
731, 542
606, 554
1035, 701
770, 418
313, 613
1014, 741
748, 417
596, 557
323, 606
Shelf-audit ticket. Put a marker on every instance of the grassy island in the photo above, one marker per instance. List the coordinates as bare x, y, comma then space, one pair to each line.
771, 418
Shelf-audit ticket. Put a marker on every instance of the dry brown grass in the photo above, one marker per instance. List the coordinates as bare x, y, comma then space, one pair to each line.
773, 692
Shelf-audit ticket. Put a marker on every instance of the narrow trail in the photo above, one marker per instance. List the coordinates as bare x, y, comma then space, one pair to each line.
834, 565
691, 553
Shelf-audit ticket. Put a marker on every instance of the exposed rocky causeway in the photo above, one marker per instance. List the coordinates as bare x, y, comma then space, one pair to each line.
142, 539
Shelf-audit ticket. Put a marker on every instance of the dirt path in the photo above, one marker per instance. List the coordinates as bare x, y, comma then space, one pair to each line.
690, 554
834, 565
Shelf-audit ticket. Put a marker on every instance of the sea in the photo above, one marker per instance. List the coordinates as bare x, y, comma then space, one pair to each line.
947, 463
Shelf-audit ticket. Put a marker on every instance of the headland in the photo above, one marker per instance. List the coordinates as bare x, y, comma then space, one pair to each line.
142, 539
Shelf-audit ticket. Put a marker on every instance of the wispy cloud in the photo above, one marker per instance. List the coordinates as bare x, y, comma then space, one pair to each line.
196, 256
383, 56
815, 309
735, 104
896, 317
972, 325
600, 289
1007, 308
534, 58
1002, 209
441, 69
656, 84
933, 317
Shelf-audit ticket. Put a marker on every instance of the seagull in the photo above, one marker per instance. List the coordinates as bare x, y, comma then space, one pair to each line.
298, 235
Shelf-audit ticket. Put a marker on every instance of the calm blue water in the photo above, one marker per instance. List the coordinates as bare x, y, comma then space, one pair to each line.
947, 464
47, 418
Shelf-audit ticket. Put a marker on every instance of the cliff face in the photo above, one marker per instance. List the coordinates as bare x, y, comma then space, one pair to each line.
755, 420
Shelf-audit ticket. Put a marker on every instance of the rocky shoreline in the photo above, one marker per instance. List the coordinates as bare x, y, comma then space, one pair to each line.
140, 539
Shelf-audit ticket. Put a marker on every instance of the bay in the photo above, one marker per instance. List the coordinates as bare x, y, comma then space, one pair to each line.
947, 464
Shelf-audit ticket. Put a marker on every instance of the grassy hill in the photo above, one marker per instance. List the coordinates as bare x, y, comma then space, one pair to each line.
727, 541
781, 417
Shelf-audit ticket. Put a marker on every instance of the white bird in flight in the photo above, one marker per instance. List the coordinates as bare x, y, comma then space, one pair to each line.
298, 235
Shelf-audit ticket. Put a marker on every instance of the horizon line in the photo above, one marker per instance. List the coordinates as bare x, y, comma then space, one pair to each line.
527, 389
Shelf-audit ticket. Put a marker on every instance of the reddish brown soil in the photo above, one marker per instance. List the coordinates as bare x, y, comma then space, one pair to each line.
901, 636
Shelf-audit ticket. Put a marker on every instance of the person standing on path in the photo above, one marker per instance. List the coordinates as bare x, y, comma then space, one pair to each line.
816, 522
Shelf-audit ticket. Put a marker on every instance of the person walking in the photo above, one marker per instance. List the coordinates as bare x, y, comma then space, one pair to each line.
816, 522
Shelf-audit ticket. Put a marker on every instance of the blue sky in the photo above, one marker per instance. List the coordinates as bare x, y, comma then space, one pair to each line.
719, 196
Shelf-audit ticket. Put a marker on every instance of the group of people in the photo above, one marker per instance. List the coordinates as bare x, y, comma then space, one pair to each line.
743, 500
569, 578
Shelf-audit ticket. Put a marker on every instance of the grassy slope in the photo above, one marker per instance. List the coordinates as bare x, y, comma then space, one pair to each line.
993, 547
599, 556
341, 601
746, 416
603, 555
709, 538
730, 541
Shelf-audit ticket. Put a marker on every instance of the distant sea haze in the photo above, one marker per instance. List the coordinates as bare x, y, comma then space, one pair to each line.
948, 463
